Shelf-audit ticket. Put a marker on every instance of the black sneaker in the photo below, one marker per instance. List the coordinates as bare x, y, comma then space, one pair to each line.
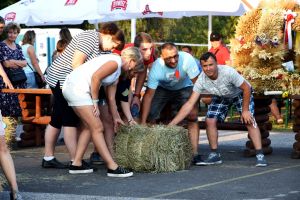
119, 172
53, 164
96, 159
197, 160
83, 169
88, 165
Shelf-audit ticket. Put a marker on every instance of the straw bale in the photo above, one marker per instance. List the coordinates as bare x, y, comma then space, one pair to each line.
158, 148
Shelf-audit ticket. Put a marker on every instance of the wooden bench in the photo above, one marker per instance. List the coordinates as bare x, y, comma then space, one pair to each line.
33, 116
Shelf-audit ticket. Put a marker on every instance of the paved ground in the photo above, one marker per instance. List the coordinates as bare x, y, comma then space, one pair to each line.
237, 178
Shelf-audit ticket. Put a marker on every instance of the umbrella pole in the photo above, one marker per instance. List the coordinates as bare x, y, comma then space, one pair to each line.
209, 30
133, 29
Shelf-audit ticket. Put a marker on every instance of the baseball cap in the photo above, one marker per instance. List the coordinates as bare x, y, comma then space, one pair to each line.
214, 36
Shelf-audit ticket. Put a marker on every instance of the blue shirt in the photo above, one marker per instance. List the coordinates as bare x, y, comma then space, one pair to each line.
173, 78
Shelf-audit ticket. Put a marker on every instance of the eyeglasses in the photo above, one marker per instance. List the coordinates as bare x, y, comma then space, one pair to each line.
168, 59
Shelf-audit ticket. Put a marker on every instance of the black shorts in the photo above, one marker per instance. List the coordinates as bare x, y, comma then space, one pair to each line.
62, 114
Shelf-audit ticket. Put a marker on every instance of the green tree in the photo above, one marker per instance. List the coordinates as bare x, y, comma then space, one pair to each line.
5, 3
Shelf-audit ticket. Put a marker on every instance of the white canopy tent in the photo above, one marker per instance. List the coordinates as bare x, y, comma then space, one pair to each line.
17, 12
54, 12
132, 9
58, 12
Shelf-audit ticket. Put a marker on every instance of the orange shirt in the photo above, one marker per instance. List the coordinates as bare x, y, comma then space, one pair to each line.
222, 54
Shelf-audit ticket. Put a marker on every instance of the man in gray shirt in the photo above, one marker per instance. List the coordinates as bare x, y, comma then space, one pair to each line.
228, 88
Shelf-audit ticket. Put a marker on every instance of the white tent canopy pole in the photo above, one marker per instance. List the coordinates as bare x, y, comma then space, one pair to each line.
209, 30
133, 29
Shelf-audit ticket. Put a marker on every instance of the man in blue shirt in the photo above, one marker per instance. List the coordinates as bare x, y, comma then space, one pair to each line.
170, 82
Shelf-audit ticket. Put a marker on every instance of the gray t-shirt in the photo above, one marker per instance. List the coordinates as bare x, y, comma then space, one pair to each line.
226, 85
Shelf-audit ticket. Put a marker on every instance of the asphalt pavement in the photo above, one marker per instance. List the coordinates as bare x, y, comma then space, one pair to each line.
237, 178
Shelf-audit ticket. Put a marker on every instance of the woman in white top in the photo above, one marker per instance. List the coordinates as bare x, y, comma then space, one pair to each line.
32, 61
81, 90
83, 47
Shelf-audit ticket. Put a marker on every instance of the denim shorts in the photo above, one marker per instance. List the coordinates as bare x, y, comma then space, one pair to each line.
162, 97
219, 106
31, 83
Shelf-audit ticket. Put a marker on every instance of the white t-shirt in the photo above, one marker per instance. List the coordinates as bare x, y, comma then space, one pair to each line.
226, 85
76, 88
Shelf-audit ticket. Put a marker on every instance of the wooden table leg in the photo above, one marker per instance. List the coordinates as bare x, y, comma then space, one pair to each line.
38, 134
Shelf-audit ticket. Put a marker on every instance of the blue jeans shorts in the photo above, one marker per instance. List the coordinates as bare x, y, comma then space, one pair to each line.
31, 82
219, 106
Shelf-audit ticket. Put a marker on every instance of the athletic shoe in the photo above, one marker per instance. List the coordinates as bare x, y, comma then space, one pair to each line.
119, 172
96, 159
197, 160
260, 160
213, 159
83, 169
53, 164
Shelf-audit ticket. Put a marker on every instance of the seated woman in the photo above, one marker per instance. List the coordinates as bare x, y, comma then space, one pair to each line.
81, 90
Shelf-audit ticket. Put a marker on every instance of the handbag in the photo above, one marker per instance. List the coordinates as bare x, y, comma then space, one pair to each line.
38, 79
16, 76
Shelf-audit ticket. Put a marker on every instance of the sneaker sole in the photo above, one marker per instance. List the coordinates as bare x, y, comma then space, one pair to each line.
53, 167
211, 163
261, 165
87, 171
120, 175
200, 164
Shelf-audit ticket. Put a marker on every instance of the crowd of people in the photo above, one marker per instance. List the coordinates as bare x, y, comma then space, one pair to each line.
91, 78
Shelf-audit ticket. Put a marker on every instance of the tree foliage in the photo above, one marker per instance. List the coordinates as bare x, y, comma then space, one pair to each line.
5, 3
192, 30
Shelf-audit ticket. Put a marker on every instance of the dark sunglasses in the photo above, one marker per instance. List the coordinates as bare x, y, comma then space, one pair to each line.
170, 58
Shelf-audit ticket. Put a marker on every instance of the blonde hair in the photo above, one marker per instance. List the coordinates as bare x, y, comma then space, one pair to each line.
133, 53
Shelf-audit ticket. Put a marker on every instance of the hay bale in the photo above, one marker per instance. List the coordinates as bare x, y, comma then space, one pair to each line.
157, 148
10, 130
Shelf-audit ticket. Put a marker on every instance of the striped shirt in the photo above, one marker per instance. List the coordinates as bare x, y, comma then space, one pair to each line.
86, 42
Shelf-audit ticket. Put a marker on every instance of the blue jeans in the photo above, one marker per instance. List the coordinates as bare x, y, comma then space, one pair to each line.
31, 83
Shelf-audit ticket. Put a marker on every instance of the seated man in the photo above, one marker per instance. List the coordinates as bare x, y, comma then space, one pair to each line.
170, 82
227, 87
